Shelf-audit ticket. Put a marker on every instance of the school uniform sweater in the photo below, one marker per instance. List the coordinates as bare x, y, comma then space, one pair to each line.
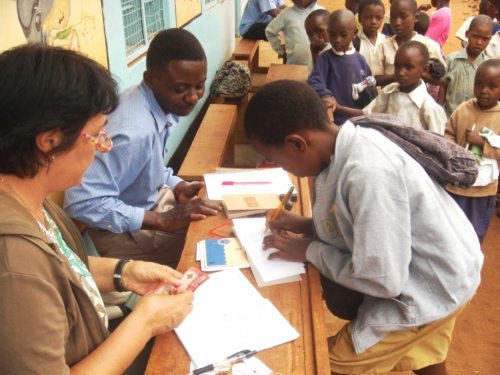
385, 229
334, 74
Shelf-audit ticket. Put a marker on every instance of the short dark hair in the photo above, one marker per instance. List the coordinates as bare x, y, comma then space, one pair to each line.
316, 13
490, 63
422, 23
173, 44
45, 88
366, 3
481, 20
282, 107
424, 52
413, 4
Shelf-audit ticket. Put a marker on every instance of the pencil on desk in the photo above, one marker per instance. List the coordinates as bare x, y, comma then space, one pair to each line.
281, 206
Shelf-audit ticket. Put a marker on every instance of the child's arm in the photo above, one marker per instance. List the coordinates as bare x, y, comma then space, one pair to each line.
443, 87
378, 67
319, 75
349, 111
272, 34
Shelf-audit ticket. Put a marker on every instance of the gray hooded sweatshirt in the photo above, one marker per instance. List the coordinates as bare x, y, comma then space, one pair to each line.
386, 229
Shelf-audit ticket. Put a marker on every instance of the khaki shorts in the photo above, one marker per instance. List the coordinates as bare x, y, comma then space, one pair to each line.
410, 349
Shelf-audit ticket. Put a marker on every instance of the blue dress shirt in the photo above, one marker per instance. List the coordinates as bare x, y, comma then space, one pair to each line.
256, 12
121, 185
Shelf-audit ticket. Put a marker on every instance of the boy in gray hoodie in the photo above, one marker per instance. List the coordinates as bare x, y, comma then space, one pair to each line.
398, 257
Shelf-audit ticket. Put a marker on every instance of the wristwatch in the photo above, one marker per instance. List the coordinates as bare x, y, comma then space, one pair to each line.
117, 275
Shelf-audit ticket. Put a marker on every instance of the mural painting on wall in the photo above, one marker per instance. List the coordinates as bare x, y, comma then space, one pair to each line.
73, 24
186, 10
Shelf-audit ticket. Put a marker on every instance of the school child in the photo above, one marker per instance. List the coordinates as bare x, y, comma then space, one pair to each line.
316, 25
290, 21
338, 68
458, 85
403, 13
371, 16
440, 22
383, 234
464, 126
422, 23
353, 6
408, 98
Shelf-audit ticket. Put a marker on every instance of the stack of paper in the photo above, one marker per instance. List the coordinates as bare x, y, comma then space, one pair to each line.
261, 181
230, 315
251, 232
217, 254
241, 205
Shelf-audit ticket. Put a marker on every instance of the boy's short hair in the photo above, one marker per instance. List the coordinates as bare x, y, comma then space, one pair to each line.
422, 23
481, 20
424, 52
173, 44
366, 3
413, 4
338, 15
317, 13
491, 63
282, 107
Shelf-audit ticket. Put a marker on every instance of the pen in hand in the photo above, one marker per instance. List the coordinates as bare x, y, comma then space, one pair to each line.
281, 206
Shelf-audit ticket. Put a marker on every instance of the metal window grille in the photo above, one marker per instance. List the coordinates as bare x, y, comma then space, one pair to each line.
142, 19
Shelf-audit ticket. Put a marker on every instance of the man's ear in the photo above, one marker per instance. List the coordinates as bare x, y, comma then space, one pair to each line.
296, 142
467, 34
148, 77
47, 141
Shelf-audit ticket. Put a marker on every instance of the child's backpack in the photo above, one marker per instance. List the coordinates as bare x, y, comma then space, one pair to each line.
232, 79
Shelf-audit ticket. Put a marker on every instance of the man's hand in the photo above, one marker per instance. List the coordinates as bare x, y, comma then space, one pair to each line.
424, 7
184, 191
274, 12
290, 248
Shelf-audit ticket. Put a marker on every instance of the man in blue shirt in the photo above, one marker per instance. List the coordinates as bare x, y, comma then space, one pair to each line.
133, 205
256, 17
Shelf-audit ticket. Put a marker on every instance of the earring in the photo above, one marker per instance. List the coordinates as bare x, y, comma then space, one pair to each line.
52, 158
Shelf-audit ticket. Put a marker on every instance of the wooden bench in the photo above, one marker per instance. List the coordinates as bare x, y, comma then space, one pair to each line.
287, 71
247, 50
213, 145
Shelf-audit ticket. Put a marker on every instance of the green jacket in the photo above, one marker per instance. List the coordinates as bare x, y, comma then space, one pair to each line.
47, 321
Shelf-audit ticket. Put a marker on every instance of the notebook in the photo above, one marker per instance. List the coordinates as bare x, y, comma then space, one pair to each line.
218, 254
240, 205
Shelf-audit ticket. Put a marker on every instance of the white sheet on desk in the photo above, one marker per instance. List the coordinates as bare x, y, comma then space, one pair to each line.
230, 315
280, 183
251, 232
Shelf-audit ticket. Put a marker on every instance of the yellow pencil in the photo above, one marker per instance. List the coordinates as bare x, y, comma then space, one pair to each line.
282, 205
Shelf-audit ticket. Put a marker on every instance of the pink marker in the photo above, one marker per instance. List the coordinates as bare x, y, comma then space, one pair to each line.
229, 183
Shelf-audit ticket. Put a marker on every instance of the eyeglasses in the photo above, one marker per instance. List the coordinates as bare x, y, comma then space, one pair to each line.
102, 141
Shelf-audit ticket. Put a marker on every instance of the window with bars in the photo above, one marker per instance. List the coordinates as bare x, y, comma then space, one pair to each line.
142, 19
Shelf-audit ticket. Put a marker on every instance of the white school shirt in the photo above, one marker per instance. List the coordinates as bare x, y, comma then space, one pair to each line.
416, 109
385, 52
367, 49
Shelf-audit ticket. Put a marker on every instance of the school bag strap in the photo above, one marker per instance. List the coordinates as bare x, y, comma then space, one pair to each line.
232, 79
442, 159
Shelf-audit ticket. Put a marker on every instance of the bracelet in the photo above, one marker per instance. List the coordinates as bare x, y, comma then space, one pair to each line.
117, 276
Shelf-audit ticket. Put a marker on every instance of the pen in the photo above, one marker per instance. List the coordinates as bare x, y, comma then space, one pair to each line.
225, 183
237, 357
282, 205
467, 145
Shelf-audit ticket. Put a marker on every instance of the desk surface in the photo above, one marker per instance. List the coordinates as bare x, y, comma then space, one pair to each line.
287, 71
300, 303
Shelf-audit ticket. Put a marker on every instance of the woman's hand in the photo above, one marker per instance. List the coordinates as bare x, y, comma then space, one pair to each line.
289, 222
143, 277
290, 248
163, 312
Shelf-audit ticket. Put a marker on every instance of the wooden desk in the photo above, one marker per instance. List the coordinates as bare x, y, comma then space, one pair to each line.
287, 71
300, 303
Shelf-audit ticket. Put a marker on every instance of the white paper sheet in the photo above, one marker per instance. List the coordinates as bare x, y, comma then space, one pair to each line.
251, 232
279, 183
230, 315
